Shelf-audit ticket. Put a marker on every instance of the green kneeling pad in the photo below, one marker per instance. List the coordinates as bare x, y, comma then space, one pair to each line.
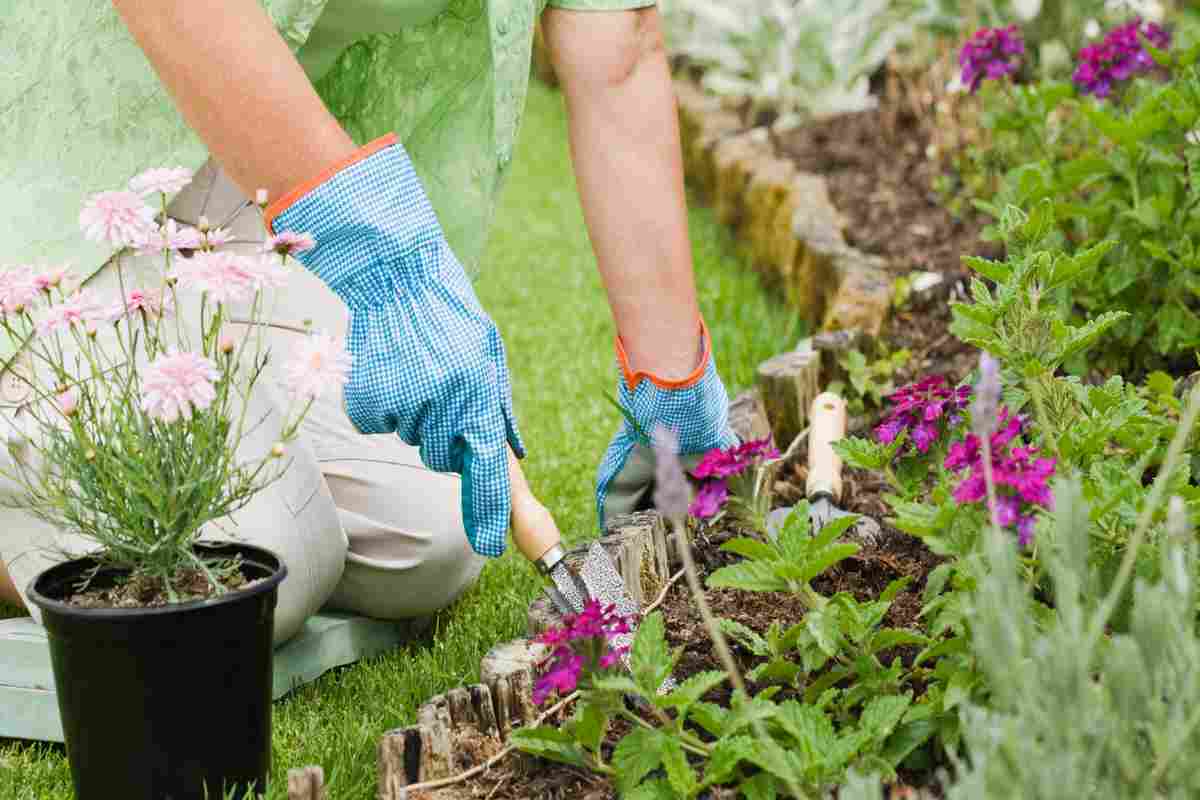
29, 708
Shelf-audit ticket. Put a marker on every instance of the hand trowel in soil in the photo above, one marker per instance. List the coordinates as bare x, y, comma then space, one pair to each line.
827, 424
537, 537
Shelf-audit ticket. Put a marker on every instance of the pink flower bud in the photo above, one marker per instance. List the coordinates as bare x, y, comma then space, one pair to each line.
227, 344
68, 401
260, 197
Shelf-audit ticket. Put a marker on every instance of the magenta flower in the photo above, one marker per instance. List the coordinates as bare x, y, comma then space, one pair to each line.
289, 243
1118, 57
319, 363
710, 499
176, 385
120, 218
991, 54
583, 645
164, 180
1021, 476
924, 409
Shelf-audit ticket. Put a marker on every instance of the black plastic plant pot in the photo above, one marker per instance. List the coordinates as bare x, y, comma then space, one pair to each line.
170, 703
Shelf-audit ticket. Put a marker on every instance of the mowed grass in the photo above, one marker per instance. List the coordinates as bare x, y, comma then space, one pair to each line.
541, 285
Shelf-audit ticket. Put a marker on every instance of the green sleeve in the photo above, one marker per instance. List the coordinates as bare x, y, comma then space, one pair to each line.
601, 5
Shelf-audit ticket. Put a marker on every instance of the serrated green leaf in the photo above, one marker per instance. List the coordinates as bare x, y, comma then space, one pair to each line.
777, 670
651, 790
744, 636
760, 787
750, 576
825, 558
810, 727
590, 725
711, 717
881, 715
617, 682
996, 271
549, 743
679, 771
751, 548
823, 625
907, 737
650, 659
695, 687
785, 765
894, 637
894, 589
637, 755
936, 580
727, 755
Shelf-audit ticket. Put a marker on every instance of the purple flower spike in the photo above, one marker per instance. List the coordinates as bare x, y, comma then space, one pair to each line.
1120, 56
991, 54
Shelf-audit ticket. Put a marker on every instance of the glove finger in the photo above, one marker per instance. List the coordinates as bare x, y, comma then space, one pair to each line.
486, 504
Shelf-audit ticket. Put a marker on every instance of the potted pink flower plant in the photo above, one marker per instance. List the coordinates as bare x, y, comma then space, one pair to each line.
136, 407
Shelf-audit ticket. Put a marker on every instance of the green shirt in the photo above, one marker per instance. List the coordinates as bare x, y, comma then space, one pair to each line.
82, 111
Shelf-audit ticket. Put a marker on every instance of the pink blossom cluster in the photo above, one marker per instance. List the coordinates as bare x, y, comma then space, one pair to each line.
718, 466
1118, 57
1021, 476
229, 277
176, 385
582, 646
991, 54
924, 409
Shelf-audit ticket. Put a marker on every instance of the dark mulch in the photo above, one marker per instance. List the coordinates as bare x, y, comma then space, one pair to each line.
881, 180
140, 591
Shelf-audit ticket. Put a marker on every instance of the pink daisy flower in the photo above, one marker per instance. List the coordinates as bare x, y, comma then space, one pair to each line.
164, 180
120, 218
176, 385
50, 279
224, 277
152, 303
18, 290
172, 236
289, 243
318, 363
266, 272
82, 308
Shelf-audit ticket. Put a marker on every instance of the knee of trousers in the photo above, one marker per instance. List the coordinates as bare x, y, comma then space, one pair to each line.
407, 559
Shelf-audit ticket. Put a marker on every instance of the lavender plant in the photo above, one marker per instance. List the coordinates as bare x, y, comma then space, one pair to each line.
136, 405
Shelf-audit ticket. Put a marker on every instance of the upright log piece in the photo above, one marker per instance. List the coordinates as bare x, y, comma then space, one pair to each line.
306, 783
508, 672
788, 383
748, 418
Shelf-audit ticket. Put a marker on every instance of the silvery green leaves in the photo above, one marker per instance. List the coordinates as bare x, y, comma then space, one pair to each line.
1125, 704
801, 58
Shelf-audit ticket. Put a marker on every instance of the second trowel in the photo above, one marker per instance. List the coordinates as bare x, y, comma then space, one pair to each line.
823, 487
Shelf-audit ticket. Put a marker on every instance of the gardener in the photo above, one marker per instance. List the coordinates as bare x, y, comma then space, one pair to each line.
449, 78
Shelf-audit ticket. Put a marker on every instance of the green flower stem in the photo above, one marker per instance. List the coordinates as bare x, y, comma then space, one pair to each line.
688, 742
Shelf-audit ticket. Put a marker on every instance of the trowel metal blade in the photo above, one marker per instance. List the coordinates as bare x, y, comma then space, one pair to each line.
571, 588
605, 584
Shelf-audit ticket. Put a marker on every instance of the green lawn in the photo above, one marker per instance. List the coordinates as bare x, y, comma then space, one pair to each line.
541, 285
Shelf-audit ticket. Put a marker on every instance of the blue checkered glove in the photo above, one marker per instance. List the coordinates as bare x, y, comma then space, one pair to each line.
429, 364
696, 408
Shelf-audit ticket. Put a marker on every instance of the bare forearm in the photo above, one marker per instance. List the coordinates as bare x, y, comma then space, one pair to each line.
625, 145
238, 86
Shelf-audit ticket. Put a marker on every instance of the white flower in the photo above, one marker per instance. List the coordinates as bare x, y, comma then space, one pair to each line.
318, 363
164, 180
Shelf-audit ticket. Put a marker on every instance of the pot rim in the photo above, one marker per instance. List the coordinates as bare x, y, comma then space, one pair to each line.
270, 583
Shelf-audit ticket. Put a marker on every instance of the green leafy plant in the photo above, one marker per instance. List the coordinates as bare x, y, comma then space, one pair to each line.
867, 382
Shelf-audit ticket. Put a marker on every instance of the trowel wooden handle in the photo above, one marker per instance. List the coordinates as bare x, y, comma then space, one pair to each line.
827, 424
534, 530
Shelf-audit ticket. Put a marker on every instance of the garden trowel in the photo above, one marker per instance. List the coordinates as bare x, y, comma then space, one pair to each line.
597, 578
827, 424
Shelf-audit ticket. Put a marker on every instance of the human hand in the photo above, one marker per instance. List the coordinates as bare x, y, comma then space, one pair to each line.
696, 408
429, 364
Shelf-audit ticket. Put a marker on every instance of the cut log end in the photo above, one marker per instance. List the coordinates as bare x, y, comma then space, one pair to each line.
306, 783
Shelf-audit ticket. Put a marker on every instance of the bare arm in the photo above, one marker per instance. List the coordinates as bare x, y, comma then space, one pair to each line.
240, 89
625, 146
